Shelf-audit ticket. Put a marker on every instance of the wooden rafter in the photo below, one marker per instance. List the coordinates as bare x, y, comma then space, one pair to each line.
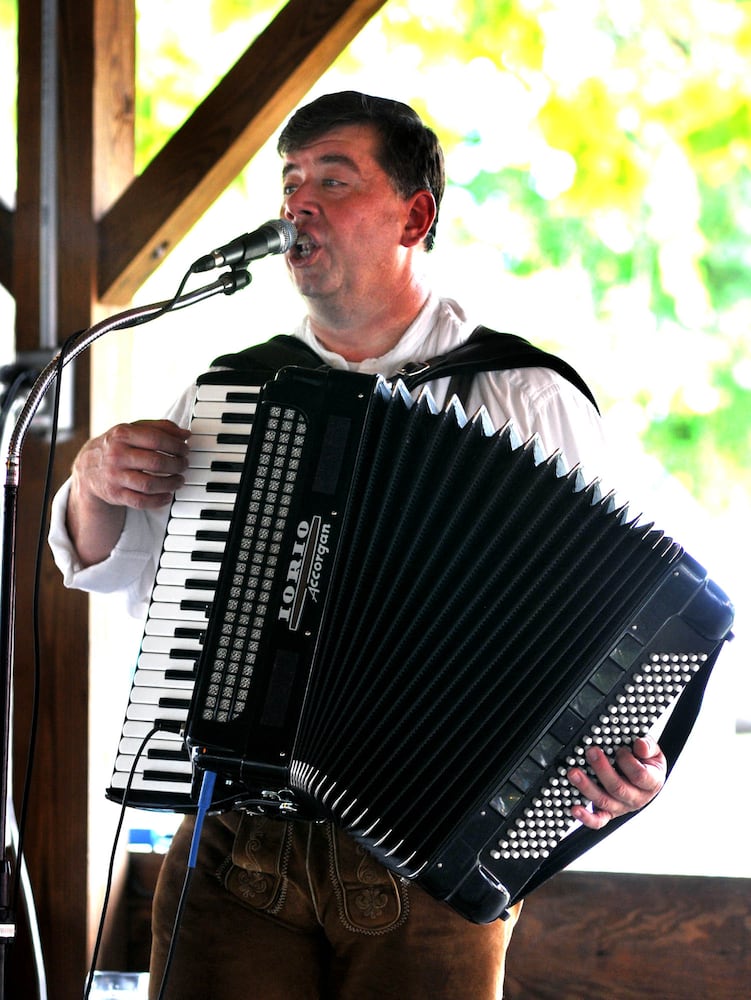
227, 128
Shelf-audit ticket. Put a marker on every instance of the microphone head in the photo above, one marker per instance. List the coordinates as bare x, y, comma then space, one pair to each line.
286, 232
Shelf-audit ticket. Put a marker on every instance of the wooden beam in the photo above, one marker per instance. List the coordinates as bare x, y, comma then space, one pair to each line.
57, 835
114, 102
620, 936
6, 247
211, 148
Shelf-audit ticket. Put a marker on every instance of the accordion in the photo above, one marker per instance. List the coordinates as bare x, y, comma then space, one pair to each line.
420, 624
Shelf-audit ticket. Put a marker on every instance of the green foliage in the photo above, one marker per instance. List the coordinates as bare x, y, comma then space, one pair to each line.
181, 58
617, 135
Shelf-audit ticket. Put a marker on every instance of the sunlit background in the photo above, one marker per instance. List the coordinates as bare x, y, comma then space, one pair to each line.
599, 204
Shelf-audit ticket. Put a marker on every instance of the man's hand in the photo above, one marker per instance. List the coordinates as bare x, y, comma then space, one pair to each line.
137, 465
638, 775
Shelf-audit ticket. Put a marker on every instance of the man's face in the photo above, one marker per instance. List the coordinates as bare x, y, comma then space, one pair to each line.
350, 253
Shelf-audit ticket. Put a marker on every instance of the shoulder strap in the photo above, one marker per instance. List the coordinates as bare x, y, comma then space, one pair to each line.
489, 350
271, 355
484, 350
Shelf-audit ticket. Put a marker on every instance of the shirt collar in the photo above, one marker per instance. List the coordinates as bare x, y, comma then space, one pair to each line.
409, 347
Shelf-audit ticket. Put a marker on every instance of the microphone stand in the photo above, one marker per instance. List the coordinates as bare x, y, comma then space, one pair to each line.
227, 284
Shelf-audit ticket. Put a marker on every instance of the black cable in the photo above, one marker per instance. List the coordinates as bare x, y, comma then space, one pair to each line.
113, 857
69, 343
204, 801
36, 634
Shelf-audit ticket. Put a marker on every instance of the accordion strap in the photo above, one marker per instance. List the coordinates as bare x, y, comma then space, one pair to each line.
271, 356
488, 350
484, 350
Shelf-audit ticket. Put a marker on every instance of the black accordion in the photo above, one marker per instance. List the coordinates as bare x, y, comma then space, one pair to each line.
419, 625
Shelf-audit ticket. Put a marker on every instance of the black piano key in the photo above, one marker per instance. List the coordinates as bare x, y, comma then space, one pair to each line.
213, 487
233, 438
221, 466
173, 702
228, 417
180, 754
197, 584
168, 725
184, 632
204, 606
173, 776
204, 535
207, 557
235, 396
179, 675
207, 514
184, 654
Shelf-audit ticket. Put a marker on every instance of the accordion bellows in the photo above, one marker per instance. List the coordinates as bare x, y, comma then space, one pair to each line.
421, 623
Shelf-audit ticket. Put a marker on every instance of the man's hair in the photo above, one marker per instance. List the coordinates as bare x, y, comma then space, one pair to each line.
410, 153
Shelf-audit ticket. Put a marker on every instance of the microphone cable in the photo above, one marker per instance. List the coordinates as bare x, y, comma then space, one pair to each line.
113, 856
204, 802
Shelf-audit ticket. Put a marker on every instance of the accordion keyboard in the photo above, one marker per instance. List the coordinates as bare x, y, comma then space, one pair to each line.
181, 600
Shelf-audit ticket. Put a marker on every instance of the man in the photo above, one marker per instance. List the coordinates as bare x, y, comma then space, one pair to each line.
295, 910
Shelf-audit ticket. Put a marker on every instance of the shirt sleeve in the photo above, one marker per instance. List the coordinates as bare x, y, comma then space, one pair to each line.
544, 405
131, 566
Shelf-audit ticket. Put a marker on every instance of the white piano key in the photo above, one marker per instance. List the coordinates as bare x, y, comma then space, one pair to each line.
190, 510
170, 743
156, 676
148, 707
139, 729
190, 527
216, 409
187, 560
199, 427
165, 626
165, 645
176, 613
209, 390
124, 763
207, 475
206, 440
168, 577
205, 494
186, 543
176, 595
161, 662
120, 780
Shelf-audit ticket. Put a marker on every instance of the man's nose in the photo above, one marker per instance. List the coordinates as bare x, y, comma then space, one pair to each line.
299, 204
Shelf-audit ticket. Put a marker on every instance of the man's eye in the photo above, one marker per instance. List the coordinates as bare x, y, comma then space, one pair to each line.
288, 189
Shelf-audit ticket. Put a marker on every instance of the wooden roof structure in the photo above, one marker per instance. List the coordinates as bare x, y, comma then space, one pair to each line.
113, 229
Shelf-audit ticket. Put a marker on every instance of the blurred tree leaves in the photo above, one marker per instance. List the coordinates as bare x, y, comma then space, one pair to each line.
636, 167
610, 138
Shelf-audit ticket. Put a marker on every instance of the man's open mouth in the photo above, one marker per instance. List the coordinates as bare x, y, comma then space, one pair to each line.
304, 246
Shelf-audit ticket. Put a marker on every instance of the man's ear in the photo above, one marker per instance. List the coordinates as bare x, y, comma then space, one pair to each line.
422, 213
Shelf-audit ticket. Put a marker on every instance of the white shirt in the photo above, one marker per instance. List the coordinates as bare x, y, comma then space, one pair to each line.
538, 401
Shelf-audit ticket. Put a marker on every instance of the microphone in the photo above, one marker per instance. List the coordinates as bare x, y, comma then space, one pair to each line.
276, 236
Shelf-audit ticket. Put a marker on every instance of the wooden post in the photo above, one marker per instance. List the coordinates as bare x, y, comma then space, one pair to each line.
56, 845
